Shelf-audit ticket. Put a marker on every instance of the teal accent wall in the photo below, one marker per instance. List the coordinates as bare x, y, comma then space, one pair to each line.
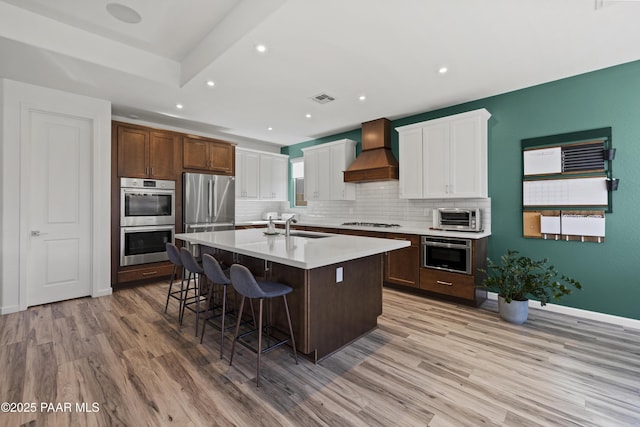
609, 97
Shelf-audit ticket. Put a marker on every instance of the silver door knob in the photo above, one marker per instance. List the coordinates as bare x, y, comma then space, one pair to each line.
36, 233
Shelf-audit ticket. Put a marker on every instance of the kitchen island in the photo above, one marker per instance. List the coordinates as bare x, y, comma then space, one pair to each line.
336, 280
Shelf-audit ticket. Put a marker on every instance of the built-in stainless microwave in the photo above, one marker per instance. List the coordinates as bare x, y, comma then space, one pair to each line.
447, 254
457, 219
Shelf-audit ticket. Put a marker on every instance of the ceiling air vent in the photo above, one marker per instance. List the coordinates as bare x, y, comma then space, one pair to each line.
323, 98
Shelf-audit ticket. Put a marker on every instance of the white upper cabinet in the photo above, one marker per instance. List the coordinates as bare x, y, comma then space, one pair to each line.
436, 160
273, 177
468, 151
261, 176
342, 155
315, 186
410, 160
444, 158
247, 177
323, 170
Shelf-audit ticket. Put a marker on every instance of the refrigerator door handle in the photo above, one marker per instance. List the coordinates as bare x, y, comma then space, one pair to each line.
215, 199
209, 199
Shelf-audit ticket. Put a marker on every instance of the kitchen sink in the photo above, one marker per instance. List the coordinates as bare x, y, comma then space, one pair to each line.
308, 235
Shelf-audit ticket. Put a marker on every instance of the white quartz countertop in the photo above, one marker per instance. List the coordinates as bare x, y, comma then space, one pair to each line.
295, 251
419, 229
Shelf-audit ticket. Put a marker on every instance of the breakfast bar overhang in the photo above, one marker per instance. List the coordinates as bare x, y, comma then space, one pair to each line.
336, 281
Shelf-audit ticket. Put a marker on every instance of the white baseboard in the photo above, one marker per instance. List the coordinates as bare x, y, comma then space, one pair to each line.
102, 292
15, 308
585, 314
9, 309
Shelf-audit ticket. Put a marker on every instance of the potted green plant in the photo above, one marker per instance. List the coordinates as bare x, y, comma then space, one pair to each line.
517, 278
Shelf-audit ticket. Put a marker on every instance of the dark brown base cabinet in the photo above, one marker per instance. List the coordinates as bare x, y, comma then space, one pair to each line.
326, 315
144, 272
402, 269
446, 283
402, 266
457, 286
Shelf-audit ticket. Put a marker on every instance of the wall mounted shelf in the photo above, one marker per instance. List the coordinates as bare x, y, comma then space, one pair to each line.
566, 185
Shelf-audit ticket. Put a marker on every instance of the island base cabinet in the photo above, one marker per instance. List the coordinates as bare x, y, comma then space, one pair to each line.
255, 265
326, 314
298, 302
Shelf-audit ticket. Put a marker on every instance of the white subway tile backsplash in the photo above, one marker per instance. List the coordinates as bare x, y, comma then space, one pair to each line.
379, 202
252, 210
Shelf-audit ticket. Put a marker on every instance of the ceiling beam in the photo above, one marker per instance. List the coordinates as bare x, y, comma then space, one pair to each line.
242, 19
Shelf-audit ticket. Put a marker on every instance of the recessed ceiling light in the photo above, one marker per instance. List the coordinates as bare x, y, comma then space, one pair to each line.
362, 97
269, 128
123, 13
261, 48
443, 70
210, 83
308, 116
179, 106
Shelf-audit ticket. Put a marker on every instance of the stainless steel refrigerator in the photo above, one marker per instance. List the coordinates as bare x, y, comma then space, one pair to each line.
208, 202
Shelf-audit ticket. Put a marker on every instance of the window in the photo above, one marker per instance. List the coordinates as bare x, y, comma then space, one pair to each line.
297, 175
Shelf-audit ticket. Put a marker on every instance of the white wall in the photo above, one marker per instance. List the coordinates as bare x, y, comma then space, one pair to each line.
2, 192
14, 97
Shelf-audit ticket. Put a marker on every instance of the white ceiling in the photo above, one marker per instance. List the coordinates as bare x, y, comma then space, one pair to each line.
389, 51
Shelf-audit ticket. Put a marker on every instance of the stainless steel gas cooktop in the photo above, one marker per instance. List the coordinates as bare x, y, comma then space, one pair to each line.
371, 224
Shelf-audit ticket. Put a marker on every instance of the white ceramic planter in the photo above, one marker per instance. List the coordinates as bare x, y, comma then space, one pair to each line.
514, 311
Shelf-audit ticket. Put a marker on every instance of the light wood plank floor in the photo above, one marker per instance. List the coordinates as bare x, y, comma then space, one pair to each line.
428, 363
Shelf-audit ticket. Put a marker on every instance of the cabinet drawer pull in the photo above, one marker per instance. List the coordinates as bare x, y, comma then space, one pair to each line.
150, 273
440, 282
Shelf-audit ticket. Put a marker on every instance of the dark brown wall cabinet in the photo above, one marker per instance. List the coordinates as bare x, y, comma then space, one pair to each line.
146, 153
202, 154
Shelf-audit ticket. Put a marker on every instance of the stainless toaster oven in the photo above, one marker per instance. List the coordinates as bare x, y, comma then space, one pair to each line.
457, 219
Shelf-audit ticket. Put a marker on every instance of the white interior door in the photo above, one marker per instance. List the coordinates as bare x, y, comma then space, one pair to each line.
59, 208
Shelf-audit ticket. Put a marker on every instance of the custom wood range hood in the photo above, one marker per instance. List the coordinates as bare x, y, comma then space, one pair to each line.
376, 162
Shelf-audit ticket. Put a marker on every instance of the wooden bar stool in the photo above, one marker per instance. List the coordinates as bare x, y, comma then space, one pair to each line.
195, 271
176, 260
246, 285
216, 276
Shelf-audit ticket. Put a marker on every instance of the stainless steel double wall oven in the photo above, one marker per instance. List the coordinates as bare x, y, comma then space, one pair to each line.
147, 219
